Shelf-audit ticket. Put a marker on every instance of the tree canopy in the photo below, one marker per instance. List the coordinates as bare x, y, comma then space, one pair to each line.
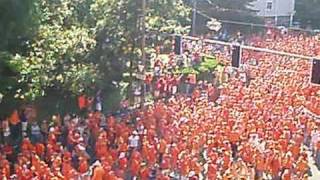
17, 23
307, 13
58, 56
231, 10
75, 46
227, 9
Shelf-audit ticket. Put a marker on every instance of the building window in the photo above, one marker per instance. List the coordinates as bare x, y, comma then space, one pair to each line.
269, 5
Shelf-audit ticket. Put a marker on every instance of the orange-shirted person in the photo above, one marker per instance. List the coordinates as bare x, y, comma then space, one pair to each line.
287, 162
98, 172
287, 175
226, 161
275, 166
135, 167
174, 151
185, 167
196, 94
40, 149
302, 166
144, 173
212, 171
67, 169
4, 168
83, 165
260, 166
165, 164
123, 162
14, 118
82, 102
295, 150
151, 155
162, 149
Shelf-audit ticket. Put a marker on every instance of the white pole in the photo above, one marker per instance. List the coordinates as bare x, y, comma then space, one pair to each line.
276, 12
194, 17
291, 20
293, 12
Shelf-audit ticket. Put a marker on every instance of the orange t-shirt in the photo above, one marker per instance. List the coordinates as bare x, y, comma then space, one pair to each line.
212, 171
185, 168
234, 137
135, 167
286, 176
83, 166
226, 162
144, 173
287, 163
295, 151
275, 166
66, 169
165, 164
6, 168
123, 163
163, 146
40, 148
302, 166
98, 173
14, 118
192, 79
82, 102
260, 164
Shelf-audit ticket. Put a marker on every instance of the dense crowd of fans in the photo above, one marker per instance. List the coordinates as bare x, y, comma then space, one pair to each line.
263, 129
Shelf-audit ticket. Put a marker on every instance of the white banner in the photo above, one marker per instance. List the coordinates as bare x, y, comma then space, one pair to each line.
307, 111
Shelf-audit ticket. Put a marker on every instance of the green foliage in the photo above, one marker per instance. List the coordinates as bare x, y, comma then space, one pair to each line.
209, 64
7, 73
308, 13
228, 9
168, 16
234, 10
189, 70
118, 29
18, 21
112, 100
58, 57
71, 46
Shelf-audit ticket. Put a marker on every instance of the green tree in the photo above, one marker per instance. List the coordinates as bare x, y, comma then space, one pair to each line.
118, 31
231, 10
17, 24
168, 16
308, 13
228, 9
59, 51
78, 43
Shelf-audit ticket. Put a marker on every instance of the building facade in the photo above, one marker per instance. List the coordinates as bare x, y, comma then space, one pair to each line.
276, 12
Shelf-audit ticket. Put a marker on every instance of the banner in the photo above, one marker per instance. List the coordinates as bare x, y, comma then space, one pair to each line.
308, 112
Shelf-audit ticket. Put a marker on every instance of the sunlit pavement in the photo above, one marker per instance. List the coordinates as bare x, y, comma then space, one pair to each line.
314, 170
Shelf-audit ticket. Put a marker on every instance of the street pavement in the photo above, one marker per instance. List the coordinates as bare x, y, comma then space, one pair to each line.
314, 169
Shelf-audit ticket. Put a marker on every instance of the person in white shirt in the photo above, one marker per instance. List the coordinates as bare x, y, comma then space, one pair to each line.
134, 140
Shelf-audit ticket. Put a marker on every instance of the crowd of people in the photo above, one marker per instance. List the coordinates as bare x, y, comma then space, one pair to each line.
258, 130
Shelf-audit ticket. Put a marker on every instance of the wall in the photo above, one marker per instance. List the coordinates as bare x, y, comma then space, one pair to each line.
279, 7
